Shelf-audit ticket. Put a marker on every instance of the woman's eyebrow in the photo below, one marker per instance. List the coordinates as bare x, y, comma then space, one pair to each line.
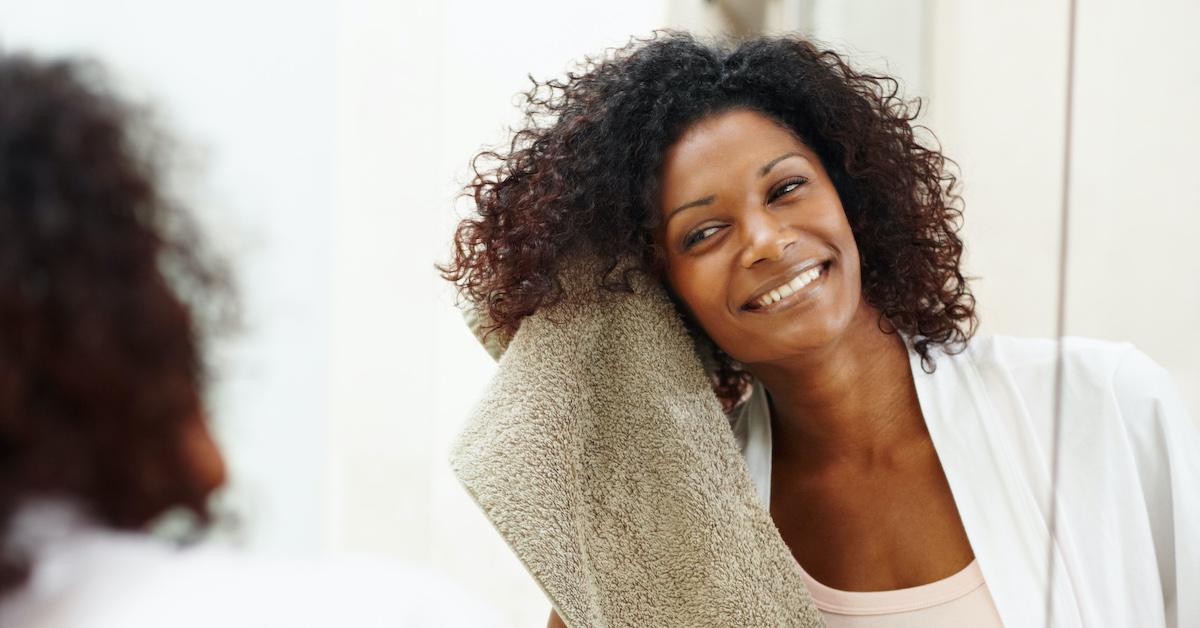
700, 201
762, 172
771, 164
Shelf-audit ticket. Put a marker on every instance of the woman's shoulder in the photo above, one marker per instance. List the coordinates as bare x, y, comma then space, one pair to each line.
1090, 361
1092, 368
1034, 353
88, 576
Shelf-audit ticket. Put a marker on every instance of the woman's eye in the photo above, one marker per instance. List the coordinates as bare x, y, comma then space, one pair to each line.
785, 187
699, 234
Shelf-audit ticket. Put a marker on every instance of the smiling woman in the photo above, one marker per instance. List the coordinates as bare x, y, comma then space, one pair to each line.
769, 198
808, 240
594, 174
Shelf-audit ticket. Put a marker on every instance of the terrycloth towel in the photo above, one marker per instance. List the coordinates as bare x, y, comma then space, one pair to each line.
602, 456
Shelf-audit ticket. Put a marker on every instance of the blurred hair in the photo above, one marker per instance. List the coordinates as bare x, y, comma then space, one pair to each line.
101, 374
584, 170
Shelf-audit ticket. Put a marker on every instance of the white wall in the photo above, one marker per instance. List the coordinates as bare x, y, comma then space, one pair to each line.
1134, 260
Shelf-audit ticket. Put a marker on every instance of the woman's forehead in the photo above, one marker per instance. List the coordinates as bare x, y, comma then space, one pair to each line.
732, 143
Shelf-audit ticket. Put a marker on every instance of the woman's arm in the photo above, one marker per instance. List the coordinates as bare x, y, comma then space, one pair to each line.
555, 621
1167, 448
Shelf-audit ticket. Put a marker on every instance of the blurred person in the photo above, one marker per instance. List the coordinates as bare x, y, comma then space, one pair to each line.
807, 240
106, 298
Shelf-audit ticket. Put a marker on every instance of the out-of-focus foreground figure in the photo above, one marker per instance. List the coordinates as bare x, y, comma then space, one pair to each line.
102, 423
100, 370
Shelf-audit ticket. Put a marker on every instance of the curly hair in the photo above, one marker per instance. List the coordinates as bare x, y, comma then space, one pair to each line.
101, 375
584, 171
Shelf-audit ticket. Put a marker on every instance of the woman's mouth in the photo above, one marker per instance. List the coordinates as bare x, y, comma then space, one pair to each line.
789, 293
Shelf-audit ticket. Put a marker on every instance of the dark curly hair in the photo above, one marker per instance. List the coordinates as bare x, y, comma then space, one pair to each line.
584, 170
101, 375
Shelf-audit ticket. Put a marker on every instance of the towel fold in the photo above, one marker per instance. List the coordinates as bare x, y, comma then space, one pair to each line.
600, 453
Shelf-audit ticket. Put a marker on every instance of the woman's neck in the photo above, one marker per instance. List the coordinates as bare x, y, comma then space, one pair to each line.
852, 401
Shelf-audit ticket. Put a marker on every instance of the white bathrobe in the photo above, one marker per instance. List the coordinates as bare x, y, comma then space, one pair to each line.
1127, 538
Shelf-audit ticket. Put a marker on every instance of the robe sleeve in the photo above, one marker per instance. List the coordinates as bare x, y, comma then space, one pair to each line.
1166, 442
495, 342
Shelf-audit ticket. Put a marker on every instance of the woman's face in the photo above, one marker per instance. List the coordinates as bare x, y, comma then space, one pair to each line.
757, 244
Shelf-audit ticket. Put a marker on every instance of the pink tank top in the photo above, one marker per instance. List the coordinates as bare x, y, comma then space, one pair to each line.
958, 600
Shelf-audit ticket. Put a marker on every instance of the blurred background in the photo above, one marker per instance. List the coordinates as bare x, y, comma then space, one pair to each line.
323, 143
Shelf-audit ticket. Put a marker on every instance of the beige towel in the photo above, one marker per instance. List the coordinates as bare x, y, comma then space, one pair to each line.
603, 458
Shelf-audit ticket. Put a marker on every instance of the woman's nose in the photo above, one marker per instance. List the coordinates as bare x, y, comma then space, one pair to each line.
766, 237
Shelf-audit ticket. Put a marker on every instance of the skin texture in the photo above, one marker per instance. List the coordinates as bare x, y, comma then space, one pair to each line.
857, 490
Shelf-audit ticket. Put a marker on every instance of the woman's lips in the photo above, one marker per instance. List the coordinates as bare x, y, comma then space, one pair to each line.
793, 291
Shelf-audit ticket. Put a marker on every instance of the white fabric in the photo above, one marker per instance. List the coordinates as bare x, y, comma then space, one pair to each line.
1127, 541
88, 577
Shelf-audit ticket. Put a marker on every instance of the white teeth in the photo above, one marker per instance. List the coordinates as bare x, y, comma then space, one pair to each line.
789, 288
